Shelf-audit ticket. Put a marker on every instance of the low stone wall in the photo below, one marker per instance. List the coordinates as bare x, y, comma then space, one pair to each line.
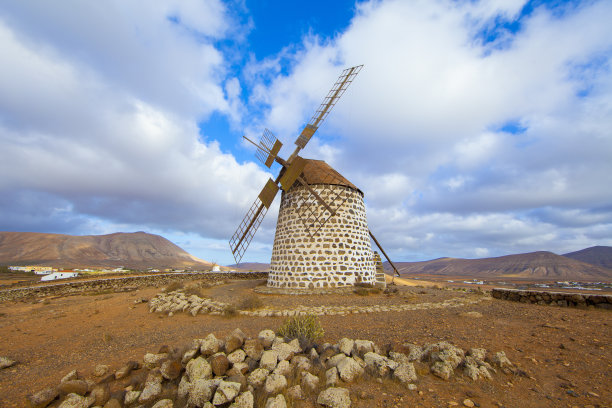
563, 299
119, 284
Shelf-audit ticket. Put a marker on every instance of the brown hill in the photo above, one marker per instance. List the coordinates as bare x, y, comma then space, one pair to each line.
597, 255
533, 265
251, 266
137, 250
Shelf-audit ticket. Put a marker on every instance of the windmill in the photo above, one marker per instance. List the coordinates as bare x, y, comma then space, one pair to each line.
322, 238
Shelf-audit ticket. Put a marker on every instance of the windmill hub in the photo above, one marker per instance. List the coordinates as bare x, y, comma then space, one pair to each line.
312, 249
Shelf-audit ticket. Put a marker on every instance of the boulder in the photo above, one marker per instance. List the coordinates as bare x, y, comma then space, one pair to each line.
184, 387
266, 338
275, 383
379, 365
126, 370
189, 354
361, 347
151, 360
442, 369
101, 394
131, 397
309, 381
171, 369
346, 346
405, 373
238, 369
331, 377
295, 392
258, 377
477, 353
334, 397
276, 402
234, 340
399, 358
43, 398
244, 400
73, 401
226, 392
349, 369
198, 368
283, 368
269, 358
284, 351
219, 363
71, 376
209, 345
253, 348
152, 388
237, 356
78, 387
202, 391
6, 362
112, 403
165, 403
413, 351
499, 359
100, 370
335, 360
301, 363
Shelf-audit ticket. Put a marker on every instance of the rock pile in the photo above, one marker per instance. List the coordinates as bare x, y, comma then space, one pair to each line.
122, 284
177, 301
266, 371
563, 299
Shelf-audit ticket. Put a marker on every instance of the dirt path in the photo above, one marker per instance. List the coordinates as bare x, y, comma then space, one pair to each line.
566, 352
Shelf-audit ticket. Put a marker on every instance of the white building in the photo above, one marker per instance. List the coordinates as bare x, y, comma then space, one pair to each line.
59, 275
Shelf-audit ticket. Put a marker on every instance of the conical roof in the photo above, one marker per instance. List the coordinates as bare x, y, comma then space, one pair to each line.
319, 172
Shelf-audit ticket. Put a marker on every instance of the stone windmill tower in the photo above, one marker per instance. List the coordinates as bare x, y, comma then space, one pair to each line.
322, 236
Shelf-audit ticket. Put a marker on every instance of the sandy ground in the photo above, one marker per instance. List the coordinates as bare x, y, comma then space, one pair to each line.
566, 353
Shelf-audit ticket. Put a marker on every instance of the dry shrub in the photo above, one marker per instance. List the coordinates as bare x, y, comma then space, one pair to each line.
361, 291
194, 290
391, 290
172, 286
107, 337
230, 311
251, 302
306, 328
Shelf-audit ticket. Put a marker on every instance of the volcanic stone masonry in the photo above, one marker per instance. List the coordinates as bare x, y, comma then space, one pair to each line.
562, 299
340, 253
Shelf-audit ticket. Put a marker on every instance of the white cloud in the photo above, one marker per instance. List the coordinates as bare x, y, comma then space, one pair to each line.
98, 126
429, 111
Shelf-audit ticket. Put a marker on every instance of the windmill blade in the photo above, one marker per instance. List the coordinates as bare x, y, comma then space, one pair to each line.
268, 148
344, 80
239, 242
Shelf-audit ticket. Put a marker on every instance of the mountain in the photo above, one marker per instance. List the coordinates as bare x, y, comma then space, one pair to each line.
597, 255
533, 265
137, 250
251, 266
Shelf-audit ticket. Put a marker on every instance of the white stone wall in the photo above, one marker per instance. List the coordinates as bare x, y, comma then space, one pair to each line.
339, 255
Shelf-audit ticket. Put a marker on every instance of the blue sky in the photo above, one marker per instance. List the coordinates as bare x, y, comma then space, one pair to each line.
475, 129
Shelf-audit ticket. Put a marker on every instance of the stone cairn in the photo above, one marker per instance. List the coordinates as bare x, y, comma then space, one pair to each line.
266, 371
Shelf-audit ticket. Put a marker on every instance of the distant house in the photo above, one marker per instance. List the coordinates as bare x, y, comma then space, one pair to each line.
216, 268
58, 275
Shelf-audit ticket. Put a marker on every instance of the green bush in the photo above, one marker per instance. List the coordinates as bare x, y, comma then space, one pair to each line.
304, 328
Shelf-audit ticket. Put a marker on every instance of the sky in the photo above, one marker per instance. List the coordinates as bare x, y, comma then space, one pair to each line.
475, 129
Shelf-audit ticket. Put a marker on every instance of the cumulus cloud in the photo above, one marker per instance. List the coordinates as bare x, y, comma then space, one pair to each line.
463, 132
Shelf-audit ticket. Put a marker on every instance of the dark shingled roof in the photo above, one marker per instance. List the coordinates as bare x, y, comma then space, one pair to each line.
319, 172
